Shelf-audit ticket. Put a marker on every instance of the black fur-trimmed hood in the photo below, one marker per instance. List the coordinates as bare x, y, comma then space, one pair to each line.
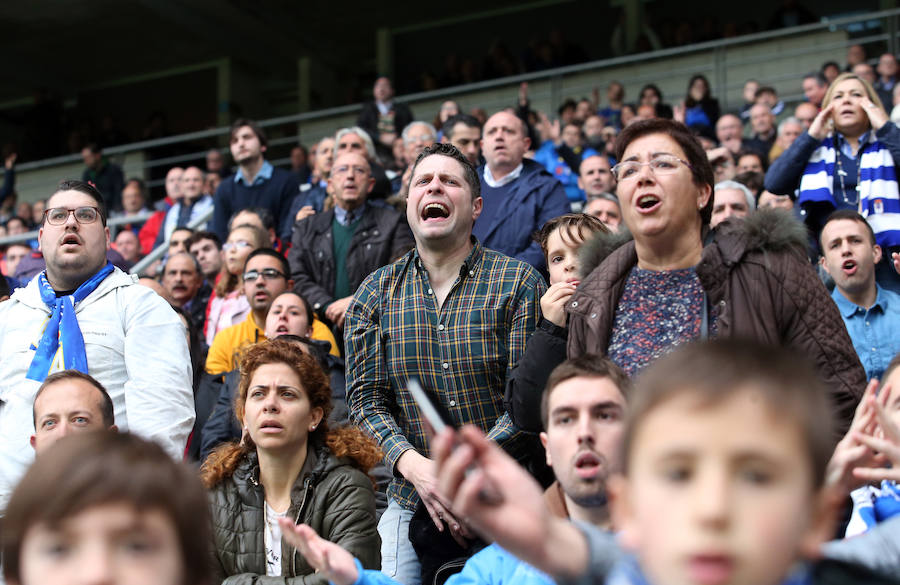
773, 230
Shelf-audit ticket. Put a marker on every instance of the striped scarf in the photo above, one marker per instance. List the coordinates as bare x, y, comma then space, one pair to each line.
879, 201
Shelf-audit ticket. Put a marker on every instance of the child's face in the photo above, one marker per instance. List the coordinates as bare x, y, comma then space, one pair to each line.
893, 404
109, 543
562, 257
717, 494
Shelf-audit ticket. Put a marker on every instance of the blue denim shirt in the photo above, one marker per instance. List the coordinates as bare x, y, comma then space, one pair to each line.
875, 331
264, 174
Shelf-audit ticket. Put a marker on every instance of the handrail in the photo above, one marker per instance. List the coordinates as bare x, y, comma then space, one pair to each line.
160, 250
486, 84
110, 222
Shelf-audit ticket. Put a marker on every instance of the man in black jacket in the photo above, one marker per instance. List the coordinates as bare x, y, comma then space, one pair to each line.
383, 118
332, 252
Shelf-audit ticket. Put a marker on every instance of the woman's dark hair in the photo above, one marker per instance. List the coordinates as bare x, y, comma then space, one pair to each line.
689, 101
90, 470
349, 441
701, 169
651, 87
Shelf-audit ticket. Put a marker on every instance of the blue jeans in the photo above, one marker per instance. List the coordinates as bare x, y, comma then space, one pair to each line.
398, 558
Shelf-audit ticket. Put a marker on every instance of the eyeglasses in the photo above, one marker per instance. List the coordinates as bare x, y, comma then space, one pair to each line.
266, 273
345, 169
663, 164
60, 215
228, 246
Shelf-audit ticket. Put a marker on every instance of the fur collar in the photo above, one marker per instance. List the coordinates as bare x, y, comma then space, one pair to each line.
772, 230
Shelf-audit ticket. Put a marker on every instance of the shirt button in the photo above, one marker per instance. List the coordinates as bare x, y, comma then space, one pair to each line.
593, 315
867, 323
452, 403
445, 365
574, 303
430, 291
441, 327
471, 273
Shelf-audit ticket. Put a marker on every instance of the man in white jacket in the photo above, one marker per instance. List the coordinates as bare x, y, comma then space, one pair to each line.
84, 314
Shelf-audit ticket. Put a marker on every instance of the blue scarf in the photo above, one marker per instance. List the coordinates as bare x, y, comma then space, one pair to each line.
62, 327
879, 201
874, 505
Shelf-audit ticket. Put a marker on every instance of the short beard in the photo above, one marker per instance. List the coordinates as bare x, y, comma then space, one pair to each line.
590, 500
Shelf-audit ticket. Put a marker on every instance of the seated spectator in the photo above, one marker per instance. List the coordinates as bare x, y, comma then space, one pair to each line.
730, 132
768, 95
827, 166
583, 410
519, 195
312, 195
652, 96
24, 212
562, 155
595, 176
605, 207
867, 72
416, 136
749, 95
211, 182
856, 54
192, 205
181, 277
69, 402
290, 465
788, 131
215, 163
615, 97
723, 164
262, 218
128, 245
814, 87
207, 249
701, 110
724, 410
37, 211
8, 194
16, 225
887, 78
332, 252
731, 199
753, 181
14, 254
134, 201
871, 313
447, 110
228, 306
266, 275
356, 139
464, 132
178, 241
256, 183
751, 161
104, 175
762, 124
560, 239
830, 70
769, 200
806, 113
152, 227
113, 508
383, 118
299, 166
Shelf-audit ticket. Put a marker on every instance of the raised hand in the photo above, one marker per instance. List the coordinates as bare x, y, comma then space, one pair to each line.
819, 127
329, 559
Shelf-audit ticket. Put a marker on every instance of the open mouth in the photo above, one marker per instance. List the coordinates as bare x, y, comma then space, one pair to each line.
281, 329
647, 202
849, 267
270, 426
435, 211
588, 464
261, 296
70, 239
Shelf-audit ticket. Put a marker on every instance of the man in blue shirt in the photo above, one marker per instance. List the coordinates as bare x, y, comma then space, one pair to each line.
871, 313
255, 184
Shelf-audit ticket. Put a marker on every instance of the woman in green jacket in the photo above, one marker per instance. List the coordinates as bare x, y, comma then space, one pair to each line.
288, 464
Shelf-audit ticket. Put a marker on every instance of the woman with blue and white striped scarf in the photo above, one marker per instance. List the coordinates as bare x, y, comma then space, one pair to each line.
847, 160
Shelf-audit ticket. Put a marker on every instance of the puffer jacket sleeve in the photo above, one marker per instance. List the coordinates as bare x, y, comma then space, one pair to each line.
350, 519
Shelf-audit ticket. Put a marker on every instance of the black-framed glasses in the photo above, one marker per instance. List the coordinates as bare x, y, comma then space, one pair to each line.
60, 215
266, 273
663, 164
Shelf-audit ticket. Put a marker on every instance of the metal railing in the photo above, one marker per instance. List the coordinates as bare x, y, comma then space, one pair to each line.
160, 250
718, 67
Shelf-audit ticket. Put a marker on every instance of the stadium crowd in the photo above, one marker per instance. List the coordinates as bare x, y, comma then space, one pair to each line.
658, 342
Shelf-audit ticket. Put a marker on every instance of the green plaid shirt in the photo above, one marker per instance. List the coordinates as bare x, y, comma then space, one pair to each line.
461, 353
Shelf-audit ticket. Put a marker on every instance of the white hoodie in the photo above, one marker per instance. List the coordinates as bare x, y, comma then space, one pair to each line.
136, 347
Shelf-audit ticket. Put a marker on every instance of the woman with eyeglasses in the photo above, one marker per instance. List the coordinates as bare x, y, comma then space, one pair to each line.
228, 305
665, 287
289, 464
847, 159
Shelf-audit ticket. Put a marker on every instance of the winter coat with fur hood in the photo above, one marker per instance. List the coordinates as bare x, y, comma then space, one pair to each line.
759, 285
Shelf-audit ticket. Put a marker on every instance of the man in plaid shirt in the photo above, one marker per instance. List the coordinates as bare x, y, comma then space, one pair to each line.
452, 314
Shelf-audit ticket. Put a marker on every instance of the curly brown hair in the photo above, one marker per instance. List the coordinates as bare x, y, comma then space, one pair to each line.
349, 442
